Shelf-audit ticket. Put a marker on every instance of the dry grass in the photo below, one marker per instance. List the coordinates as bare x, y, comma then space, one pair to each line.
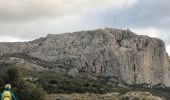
108, 96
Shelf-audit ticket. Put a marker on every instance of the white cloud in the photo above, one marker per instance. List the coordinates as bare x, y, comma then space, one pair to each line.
168, 49
14, 10
30, 19
152, 32
10, 39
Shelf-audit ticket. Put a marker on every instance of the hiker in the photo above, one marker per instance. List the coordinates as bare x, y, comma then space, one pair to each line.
7, 93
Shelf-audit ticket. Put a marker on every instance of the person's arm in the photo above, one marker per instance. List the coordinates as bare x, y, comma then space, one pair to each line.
13, 96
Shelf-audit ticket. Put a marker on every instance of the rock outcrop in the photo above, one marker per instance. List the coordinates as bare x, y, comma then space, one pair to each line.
73, 72
119, 54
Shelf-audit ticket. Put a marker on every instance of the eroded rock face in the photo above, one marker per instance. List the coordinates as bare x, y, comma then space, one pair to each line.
121, 54
73, 72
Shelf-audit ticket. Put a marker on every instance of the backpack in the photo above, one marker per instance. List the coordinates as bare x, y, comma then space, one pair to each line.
6, 95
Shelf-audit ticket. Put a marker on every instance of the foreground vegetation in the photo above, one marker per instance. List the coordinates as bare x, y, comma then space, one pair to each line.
107, 96
54, 82
59, 85
22, 89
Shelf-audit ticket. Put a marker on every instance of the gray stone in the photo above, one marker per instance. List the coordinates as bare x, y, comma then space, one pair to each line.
73, 72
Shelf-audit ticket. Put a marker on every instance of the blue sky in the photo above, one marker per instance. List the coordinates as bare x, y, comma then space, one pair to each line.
25, 20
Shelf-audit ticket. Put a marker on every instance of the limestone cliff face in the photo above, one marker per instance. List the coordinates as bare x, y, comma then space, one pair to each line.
120, 54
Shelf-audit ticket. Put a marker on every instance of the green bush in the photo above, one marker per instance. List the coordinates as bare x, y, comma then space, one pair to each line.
29, 91
23, 90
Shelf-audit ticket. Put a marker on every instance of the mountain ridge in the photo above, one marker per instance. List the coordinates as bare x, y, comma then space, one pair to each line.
120, 54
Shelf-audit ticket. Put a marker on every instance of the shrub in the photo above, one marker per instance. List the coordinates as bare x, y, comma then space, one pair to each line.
23, 90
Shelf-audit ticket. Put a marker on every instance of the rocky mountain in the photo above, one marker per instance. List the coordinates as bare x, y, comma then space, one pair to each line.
114, 54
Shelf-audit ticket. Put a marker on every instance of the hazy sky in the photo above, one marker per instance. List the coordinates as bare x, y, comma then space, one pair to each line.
23, 20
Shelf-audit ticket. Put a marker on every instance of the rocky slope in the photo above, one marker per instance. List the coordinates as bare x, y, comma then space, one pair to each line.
118, 55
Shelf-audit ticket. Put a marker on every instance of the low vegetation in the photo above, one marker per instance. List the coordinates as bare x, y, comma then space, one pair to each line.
54, 82
107, 96
58, 85
22, 89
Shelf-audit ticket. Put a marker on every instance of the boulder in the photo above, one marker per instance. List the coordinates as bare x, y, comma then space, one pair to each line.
73, 72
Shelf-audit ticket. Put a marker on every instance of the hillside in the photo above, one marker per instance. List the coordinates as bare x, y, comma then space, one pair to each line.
118, 54
99, 61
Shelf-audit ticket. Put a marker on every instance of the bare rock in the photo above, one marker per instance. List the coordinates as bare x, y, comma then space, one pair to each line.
73, 72
120, 54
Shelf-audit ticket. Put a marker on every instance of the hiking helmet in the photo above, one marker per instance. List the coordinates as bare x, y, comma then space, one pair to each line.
8, 86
